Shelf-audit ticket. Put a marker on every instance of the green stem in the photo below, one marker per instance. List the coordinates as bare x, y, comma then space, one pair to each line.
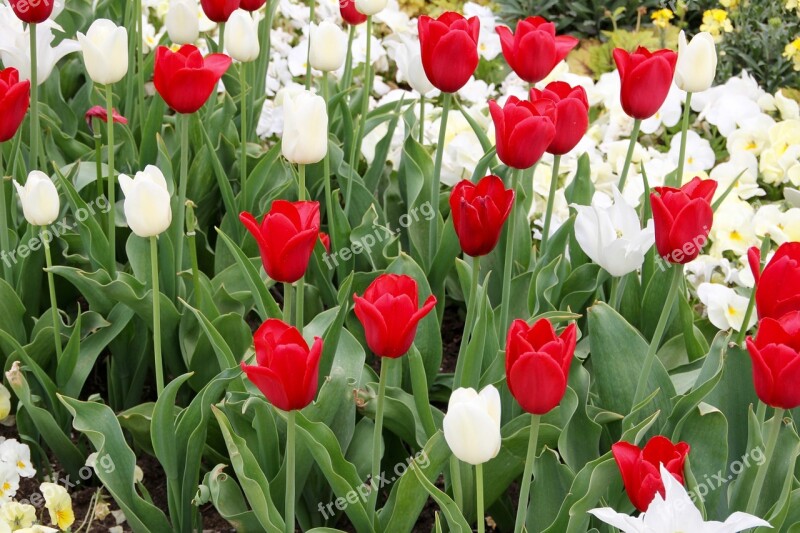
183, 183
52, 286
509, 258
326, 169
422, 119
551, 199
159, 364
98, 155
112, 185
684, 131
761, 475
299, 315
347, 77
301, 182
362, 120
311, 6
259, 82
525, 485
191, 224
34, 159
287, 303
291, 438
649, 358
437, 177
243, 157
221, 38
617, 290
479, 486
4, 243
376, 437
472, 308
140, 62
637, 124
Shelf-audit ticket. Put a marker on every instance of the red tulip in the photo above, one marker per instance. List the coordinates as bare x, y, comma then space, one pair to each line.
32, 11
185, 79
219, 10
350, 14
449, 48
479, 212
776, 361
537, 364
252, 5
523, 130
646, 79
535, 50
15, 96
683, 219
286, 370
572, 108
640, 468
390, 313
286, 238
100, 112
778, 286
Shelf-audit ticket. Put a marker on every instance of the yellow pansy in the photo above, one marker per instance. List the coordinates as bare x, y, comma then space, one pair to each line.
58, 504
662, 17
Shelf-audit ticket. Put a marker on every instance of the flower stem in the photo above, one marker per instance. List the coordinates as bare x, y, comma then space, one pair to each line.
4, 243
637, 124
326, 169
649, 358
182, 186
191, 224
156, 315
684, 130
347, 77
98, 155
472, 309
525, 486
509, 258
422, 119
243, 147
551, 199
311, 6
52, 286
301, 283
761, 475
140, 62
221, 38
291, 437
433, 240
362, 120
287, 302
479, 486
376, 436
34, 156
112, 185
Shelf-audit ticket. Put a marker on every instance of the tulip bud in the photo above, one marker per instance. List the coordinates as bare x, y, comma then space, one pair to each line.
479, 213
646, 78
774, 352
778, 285
683, 219
15, 96
251, 5
147, 202
472, 424
305, 128
241, 37
697, 62
371, 7
328, 46
39, 197
105, 51
183, 21
449, 49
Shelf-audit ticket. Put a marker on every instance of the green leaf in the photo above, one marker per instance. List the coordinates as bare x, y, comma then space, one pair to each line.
451, 512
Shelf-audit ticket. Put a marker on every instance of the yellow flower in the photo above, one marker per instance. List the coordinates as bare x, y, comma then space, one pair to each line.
58, 504
792, 52
716, 22
18, 515
662, 17
730, 4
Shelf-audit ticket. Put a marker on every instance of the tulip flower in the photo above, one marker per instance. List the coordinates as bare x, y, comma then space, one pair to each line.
350, 14
305, 128
611, 234
449, 48
370, 7
219, 10
683, 219
328, 46
185, 79
39, 198
640, 467
100, 112
410, 69
646, 79
697, 62
286, 369
15, 98
286, 238
15, 50
778, 286
479, 212
105, 51
572, 110
147, 202
32, 11
535, 50
472, 424
776, 360
183, 21
241, 37
524, 130
251, 5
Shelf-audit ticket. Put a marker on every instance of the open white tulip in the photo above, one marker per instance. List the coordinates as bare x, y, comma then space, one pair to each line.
39, 198
409, 66
472, 424
611, 235
328, 46
105, 51
241, 36
371, 7
305, 128
183, 21
15, 46
147, 202
675, 512
697, 62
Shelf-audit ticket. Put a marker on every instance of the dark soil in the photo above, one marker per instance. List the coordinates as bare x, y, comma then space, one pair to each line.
452, 331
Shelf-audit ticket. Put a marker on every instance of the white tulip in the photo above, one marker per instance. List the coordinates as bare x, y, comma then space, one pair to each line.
147, 202
328, 46
409, 68
371, 7
611, 235
305, 128
697, 62
472, 424
241, 36
183, 21
39, 197
105, 51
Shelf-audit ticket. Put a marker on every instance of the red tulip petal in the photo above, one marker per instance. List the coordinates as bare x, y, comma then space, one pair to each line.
538, 382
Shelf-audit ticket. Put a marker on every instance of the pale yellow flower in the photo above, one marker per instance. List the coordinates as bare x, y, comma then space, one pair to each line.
18, 515
662, 18
792, 52
58, 504
716, 22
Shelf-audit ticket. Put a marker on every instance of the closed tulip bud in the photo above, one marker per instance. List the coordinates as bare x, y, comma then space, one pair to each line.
147, 202
683, 219
32, 11
778, 286
219, 10
185, 79
39, 198
251, 5
183, 21
328, 46
697, 62
775, 352
472, 424
524, 130
572, 109
371, 7
241, 37
646, 78
449, 47
535, 50
105, 51
350, 14
15, 97
479, 212
305, 128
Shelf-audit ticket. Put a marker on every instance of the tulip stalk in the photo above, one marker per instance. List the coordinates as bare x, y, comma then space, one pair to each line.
287, 302
761, 475
437, 176
243, 157
34, 155
551, 199
509, 257
52, 288
98, 155
376, 436
525, 486
191, 225
311, 7
347, 77
362, 121
182, 186
4, 244
139, 63
156, 316
301, 283
637, 124
326, 168
479, 490
221, 38
684, 131
112, 186
291, 438
472, 309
